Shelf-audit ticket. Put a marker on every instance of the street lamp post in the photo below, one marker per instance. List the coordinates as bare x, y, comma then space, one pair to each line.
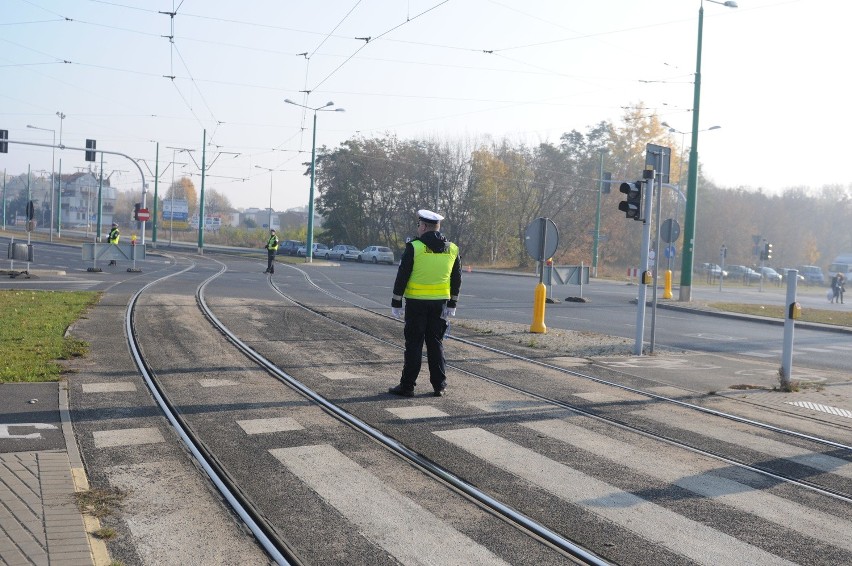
309, 244
59, 196
692, 192
680, 164
270, 191
52, 169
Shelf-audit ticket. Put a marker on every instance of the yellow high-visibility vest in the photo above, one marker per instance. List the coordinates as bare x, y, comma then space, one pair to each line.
430, 277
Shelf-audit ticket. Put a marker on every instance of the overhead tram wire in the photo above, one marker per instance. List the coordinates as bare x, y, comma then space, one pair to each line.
307, 57
368, 40
59, 60
174, 49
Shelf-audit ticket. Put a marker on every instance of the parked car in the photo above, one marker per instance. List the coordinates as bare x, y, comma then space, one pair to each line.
784, 270
712, 271
743, 273
318, 250
376, 254
289, 247
342, 252
813, 275
770, 274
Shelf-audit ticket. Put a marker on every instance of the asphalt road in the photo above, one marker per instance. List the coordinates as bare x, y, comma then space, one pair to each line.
610, 307
609, 310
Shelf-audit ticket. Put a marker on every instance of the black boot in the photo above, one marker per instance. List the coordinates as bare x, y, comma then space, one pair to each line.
402, 391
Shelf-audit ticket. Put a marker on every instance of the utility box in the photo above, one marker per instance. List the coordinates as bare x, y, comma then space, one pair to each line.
20, 252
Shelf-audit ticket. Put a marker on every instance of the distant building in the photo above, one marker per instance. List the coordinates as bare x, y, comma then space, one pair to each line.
260, 216
79, 201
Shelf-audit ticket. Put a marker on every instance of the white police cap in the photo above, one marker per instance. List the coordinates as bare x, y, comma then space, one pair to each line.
429, 216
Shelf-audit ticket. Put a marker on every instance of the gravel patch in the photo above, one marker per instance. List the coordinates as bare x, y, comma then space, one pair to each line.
568, 342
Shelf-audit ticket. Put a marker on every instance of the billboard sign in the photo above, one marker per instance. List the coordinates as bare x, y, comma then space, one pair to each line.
176, 209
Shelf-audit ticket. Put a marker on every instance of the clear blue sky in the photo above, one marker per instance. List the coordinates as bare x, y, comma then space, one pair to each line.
774, 78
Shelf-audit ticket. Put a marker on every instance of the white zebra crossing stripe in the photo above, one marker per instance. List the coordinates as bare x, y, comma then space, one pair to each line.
391, 520
698, 478
686, 537
824, 408
127, 437
726, 431
755, 354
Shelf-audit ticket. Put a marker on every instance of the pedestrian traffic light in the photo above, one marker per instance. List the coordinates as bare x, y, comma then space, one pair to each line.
90, 150
632, 207
136, 208
767, 251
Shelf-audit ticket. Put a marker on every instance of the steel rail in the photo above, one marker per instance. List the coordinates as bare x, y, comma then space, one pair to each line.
277, 548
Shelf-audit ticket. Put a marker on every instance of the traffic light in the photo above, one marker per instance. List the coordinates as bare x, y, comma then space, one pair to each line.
767, 251
632, 207
90, 145
4, 146
607, 177
136, 208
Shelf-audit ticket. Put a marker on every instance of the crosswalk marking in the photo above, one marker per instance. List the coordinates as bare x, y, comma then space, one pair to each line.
274, 424
412, 534
727, 432
421, 412
764, 354
824, 408
127, 437
691, 539
511, 405
798, 349
688, 476
109, 387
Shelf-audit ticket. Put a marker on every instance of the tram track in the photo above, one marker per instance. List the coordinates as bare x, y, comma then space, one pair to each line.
279, 549
271, 541
843, 495
549, 528
321, 316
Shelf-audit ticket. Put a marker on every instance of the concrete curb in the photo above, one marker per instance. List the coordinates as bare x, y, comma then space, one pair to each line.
100, 555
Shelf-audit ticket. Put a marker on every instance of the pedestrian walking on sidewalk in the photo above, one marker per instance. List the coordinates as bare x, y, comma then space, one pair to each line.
429, 278
837, 287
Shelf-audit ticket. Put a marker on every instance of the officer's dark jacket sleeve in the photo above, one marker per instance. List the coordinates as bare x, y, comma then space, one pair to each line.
455, 283
406, 265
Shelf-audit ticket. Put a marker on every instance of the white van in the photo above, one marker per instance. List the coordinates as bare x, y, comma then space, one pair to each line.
842, 264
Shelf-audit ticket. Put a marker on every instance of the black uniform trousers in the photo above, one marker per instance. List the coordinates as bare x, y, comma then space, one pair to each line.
423, 323
270, 260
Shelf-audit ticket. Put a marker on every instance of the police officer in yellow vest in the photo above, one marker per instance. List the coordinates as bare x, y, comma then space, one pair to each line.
114, 236
271, 249
429, 278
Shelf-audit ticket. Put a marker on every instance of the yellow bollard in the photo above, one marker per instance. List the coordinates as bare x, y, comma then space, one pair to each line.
538, 310
667, 287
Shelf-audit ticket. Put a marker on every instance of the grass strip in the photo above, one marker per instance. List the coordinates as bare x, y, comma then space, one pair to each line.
824, 316
32, 332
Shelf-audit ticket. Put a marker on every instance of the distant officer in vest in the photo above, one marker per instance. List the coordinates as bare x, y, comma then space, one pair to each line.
429, 277
114, 236
271, 249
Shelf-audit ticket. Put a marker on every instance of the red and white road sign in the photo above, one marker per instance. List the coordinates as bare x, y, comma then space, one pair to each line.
143, 215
